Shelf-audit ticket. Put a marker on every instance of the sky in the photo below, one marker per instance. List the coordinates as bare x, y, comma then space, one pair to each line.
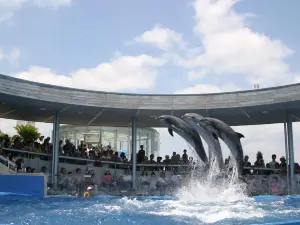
133, 46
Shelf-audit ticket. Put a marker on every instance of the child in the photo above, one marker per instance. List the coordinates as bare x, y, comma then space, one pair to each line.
275, 186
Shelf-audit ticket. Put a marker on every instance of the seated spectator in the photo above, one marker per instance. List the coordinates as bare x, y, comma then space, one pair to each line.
28, 169
123, 157
33, 170
116, 157
107, 177
105, 156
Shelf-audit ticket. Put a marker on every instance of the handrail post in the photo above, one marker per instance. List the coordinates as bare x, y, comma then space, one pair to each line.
55, 152
291, 152
287, 158
133, 150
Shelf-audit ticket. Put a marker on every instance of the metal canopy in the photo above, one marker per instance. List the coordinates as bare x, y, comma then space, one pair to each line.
30, 101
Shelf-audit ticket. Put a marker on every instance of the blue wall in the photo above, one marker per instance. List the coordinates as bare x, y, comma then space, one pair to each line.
22, 184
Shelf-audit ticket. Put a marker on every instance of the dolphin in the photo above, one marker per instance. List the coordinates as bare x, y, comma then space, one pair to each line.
230, 137
214, 147
184, 130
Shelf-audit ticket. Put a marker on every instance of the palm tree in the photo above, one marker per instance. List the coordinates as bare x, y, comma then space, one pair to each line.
29, 133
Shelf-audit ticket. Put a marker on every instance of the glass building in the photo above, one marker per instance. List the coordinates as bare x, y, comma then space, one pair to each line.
119, 138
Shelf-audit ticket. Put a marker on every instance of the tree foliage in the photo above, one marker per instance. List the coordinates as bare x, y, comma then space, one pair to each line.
29, 133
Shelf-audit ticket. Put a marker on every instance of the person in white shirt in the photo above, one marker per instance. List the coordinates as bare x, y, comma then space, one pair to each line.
274, 164
144, 181
152, 181
126, 180
162, 182
175, 181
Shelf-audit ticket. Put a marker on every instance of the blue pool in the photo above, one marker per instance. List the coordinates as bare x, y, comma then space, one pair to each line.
185, 209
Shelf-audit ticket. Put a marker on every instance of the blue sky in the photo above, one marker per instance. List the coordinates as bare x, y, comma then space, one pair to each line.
192, 46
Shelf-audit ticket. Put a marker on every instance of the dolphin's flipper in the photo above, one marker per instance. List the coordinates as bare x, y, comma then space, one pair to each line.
240, 135
170, 132
214, 136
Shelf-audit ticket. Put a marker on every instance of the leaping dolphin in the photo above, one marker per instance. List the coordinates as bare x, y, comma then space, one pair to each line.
230, 137
214, 147
184, 130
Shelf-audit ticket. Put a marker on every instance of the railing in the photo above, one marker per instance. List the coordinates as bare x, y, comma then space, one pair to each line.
11, 165
155, 165
94, 160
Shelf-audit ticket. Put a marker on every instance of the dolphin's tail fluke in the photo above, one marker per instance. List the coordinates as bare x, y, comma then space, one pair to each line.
240, 135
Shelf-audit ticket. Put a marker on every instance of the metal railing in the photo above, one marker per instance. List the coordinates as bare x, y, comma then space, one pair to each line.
9, 164
103, 162
24, 152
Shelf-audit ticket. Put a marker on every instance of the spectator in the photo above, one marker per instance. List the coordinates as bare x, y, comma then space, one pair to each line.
151, 161
174, 158
175, 181
167, 160
141, 154
185, 157
144, 181
259, 163
247, 164
274, 164
44, 170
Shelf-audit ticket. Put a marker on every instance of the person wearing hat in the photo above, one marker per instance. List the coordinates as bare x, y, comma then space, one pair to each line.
88, 192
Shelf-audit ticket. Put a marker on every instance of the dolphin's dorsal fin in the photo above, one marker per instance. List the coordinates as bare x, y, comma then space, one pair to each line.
214, 136
240, 135
171, 131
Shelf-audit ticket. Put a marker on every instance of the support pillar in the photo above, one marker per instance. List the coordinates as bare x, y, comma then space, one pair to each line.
133, 151
291, 161
55, 151
288, 181
148, 153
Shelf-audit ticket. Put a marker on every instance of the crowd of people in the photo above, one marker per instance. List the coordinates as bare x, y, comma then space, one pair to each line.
106, 153
83, 150
76, 183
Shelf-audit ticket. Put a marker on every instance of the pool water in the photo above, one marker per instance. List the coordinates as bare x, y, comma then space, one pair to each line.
148, 210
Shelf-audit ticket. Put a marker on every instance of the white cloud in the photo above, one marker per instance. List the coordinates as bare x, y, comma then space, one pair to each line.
122, 73
9, 7
163, 38
52, 3
231, 47
12, 57
208, 88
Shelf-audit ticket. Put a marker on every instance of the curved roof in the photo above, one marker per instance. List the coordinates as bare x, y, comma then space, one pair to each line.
26, 100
